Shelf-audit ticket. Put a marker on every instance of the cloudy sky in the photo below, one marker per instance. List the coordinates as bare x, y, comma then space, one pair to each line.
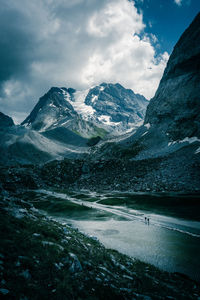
82, 43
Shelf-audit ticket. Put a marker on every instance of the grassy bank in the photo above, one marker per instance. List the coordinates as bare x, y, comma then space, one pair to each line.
43, 259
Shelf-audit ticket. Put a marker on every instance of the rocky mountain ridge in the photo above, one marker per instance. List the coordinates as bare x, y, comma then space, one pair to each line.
107, 106
175, 108
167, 145
66, 123
169, 134
117, 107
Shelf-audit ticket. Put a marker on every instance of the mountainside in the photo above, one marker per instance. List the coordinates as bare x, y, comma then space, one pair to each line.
165, 151
5, 121
43, 136
116, 107
27, 146
92, 112
50, 109
172, 119
66, 123
175, 109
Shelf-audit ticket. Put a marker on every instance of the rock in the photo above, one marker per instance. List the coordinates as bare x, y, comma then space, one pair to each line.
49, 109
85, 168
4, 291
175, 108
26, 274
76, 265
5, 121
116, 107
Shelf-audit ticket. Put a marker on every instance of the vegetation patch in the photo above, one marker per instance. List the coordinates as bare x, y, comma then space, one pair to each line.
43, 259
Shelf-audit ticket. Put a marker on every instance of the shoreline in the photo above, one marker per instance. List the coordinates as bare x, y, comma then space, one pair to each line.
58, 261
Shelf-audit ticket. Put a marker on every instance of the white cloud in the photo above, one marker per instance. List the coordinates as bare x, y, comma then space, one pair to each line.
178, 2
80, 44
118, 16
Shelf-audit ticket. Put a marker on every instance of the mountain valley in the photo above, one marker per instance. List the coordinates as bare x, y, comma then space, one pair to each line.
100, 157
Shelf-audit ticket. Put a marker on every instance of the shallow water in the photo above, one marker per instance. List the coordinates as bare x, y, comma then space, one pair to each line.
170, 243
167, 249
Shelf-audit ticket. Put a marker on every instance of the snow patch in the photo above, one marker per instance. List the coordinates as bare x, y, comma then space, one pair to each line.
197, 151
144, 133
79, 104
49, 120
52, 105
106, 120
94, 98
66, 95
190, 140
102, 88
172, 143
64, 123
185, 140
147, 125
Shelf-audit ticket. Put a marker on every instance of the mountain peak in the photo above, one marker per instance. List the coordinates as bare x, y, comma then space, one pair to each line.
50, 108
61, 89
109, 106
116, 104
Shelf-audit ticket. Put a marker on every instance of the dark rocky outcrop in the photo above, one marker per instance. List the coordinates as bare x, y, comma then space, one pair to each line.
175, 108
5, 121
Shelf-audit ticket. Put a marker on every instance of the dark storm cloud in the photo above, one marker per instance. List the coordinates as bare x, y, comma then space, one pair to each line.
16, 43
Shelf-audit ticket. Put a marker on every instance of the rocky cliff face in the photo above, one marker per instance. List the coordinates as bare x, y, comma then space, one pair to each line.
49, 110
116, 107
93, 112
54, 110
175, 108
5, 121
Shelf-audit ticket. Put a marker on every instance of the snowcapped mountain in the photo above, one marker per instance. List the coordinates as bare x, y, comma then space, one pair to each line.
119, 109
93, 112
54, 110
66, 122
109, 106
49, 111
